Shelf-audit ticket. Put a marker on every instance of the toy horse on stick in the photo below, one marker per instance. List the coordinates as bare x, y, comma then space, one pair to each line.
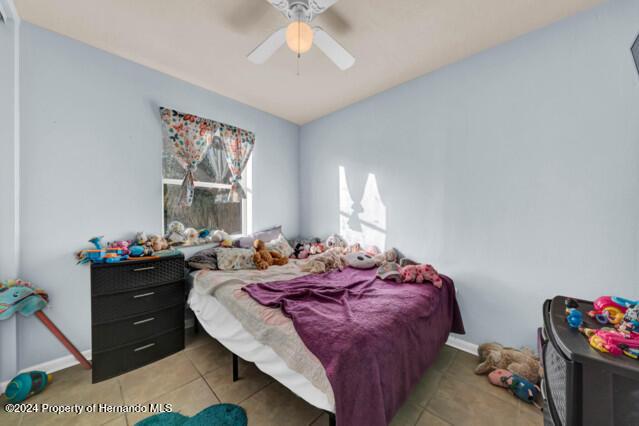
21, 296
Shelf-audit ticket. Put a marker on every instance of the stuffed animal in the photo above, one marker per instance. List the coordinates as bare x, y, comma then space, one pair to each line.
360, 260
389, 271
336, 240
329, 260
519, 386
122, 245
219, 236
408, 273
300, 251
141, 238
264, 258
493, 356
317, 248
428, 273
191, 235
157, 243
175, 232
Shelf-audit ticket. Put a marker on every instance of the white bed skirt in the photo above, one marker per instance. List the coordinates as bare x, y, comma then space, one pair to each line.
224, 327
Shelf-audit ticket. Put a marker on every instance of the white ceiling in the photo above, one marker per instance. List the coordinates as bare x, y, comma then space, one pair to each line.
205, 42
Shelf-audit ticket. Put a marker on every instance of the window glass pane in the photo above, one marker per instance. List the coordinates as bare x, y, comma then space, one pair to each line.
213, 167
209, 210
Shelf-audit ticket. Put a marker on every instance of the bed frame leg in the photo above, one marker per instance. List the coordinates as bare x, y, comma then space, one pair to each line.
236, 368
331, 418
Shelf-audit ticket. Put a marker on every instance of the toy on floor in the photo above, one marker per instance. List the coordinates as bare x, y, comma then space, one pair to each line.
219, 414
18, 296
493, 356
25, 385
519, 386
264, 258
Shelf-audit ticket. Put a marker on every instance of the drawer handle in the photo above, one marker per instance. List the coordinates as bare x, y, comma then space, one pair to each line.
144, 321
148, 268
141, 348
150, 293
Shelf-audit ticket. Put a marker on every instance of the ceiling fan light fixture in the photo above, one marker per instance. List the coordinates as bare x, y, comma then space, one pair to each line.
299, 37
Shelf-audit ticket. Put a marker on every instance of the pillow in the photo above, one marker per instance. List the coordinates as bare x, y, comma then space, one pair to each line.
204, 259
280, 245
265, 235
360, 260
234, 258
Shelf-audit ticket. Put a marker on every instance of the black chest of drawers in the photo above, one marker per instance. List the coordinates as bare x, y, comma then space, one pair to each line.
137, 313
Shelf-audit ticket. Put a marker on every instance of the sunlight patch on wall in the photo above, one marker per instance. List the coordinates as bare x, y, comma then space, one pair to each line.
362, 221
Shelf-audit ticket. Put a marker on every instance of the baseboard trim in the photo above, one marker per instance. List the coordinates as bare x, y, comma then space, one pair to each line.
51, 366
462, 345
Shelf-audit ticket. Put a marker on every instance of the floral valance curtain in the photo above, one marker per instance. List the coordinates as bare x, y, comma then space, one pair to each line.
191, 138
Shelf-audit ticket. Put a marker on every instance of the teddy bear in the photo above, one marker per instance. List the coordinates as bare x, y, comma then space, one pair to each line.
264, 258
157, 243
493, 356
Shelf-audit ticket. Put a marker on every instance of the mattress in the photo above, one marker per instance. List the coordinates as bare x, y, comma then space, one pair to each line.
259, 334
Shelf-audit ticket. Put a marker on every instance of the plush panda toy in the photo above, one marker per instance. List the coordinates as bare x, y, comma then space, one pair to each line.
360, 260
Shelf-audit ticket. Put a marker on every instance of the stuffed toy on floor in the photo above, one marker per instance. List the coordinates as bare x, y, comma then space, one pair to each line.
519, 386
493, 356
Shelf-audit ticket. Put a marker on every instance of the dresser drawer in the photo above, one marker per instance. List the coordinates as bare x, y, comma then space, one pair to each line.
107, 364
117, 333
126, 276
124, 305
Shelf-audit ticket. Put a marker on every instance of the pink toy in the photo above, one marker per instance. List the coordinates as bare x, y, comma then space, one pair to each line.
419, 274
123, 245
612, 341
428, 273
607, 310
408, 273
495, 377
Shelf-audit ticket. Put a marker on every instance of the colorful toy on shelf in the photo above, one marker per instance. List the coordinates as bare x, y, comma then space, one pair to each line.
607, 310
630, 352
18, 296
101, 254
122, 245
27, 384
609, 340
630, 320
574, 318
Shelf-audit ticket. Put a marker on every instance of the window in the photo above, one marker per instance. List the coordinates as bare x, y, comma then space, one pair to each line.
210, 208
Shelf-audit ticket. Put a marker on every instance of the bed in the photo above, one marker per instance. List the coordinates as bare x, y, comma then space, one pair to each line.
269, 338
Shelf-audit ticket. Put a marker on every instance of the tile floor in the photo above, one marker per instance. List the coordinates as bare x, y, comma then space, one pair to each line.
448, 394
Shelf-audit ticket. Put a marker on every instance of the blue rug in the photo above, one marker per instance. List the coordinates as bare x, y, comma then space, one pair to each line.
215, 415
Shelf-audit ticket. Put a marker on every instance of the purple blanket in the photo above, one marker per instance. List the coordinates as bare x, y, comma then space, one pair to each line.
374, 338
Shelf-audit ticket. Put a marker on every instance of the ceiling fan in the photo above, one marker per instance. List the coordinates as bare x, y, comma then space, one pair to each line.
300, 36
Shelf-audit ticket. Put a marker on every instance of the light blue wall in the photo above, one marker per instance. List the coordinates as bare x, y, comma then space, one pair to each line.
91, 165
515, 171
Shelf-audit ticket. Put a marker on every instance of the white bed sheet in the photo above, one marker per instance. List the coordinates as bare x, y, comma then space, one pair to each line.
224, 327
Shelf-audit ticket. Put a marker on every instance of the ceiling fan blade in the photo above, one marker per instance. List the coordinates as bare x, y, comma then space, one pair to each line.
319, 6
261, 53
333, 49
